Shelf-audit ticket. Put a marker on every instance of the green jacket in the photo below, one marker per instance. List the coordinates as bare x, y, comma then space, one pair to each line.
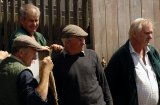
120, 73
38, 36
9, 71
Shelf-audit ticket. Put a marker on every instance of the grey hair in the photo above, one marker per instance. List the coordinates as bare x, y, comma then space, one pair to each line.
137, 25
24, 10
16, 49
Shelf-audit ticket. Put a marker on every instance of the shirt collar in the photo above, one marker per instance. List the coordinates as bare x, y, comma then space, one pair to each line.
133, 51
14, 57
64, 53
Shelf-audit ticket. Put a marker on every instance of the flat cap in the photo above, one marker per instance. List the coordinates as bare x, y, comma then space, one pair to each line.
27, 41
73, 30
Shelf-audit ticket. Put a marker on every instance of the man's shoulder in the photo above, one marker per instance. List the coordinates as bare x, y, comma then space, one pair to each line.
19, 31
151, 47
40, 38
153, 51
12, 65
91, 53
57, 55
38, 34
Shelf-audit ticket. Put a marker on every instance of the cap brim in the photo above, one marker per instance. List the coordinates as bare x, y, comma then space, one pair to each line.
43, 48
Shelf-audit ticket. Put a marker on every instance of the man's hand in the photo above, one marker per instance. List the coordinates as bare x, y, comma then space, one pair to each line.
46, 65
4, 54
45, 69
56, 47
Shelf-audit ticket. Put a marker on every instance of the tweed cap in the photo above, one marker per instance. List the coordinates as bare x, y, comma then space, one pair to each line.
73, 30
27, 41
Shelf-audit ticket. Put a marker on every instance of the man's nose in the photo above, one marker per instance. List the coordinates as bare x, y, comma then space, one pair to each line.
150, 36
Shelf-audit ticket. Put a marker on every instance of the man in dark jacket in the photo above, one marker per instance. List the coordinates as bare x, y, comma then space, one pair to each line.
79, 75
133, 72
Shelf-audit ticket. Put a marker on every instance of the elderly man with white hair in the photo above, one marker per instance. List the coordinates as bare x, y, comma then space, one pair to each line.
133, 72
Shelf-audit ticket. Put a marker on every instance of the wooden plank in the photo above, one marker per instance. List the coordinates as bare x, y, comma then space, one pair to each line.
58, 21
147, 9
111, 27
27, 1
67, 11
89, 40
54, 40
156, 10
85, 13
75, 12
19, 6
42, 17
12, 15
63, 12
35, 2
1, 26
58, 5
50, 23
123, 21
98, 26
5, 31
135, 9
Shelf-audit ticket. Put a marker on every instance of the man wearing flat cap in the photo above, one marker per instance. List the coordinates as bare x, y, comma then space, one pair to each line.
79, 77
18, 86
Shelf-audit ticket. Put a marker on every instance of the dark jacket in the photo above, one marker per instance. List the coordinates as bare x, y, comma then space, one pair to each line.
120, 73
80, 79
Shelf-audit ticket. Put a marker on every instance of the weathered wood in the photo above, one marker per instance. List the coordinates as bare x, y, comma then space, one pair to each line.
98, 25
58, 21
111, 27
50, 21
85, 13
5, 26
67, 11
76, 12
156, 12
1, 26
42, 17
135, 9
12, 15
123, 21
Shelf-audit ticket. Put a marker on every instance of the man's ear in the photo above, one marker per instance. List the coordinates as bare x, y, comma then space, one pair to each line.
134, 34
21, 53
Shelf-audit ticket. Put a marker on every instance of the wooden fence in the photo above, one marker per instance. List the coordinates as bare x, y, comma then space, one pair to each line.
55, 14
